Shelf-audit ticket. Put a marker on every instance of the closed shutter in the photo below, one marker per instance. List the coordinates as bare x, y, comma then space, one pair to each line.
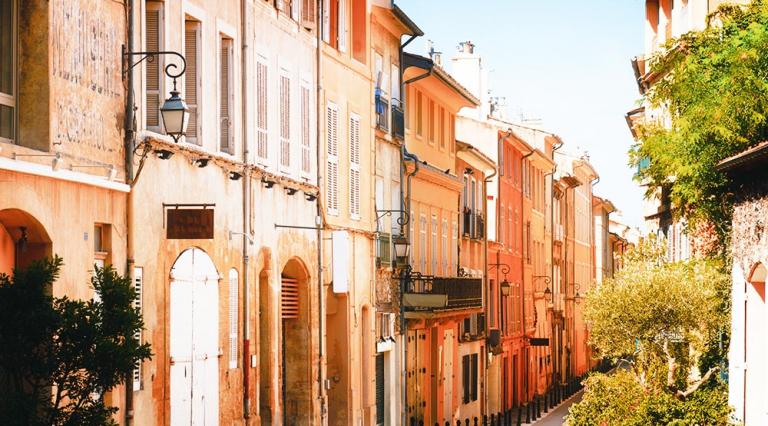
434, 246
285, 121
191, 79
380, 389
308, 12
423, 244
225, 93
354, 166
261, 110
306, 163
444, 248
233, 305
289, 299
138, 288
455, 247
465, 379
473, 379
342, 25
332, 168
153, 21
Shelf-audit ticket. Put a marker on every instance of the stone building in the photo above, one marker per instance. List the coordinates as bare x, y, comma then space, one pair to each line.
747, 373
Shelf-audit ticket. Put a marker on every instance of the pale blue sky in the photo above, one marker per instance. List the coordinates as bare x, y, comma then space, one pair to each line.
566, 62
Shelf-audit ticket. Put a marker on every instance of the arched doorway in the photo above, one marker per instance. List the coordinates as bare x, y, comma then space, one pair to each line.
23, 239
194, 326
296, 384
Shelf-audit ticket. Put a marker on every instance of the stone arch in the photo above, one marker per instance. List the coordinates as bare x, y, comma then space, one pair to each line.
23, 239
296, 347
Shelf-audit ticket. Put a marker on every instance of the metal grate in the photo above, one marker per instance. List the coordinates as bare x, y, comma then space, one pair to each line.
289, 298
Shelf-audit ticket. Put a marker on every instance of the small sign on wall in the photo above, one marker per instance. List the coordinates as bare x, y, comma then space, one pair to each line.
189, 224
340, 261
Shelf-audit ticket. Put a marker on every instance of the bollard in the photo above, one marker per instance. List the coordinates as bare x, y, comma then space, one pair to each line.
493, 419
447, 423
413, 421
466, 422
421, 422
519, 416
458, 422
485, 420
475, 421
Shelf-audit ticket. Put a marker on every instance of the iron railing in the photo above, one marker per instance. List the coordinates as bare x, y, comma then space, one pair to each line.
460, 292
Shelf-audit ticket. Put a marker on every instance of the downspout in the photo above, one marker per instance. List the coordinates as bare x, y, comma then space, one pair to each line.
522, 288
487, 287
556, 360
246, 209
319, 212
128, 148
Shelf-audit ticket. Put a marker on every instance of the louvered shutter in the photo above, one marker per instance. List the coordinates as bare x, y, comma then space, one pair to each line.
308, 11
354, 166
289, 298
261, 110
305, 130
332, 154
465, 379
433, 246
138, 288
444, 248
233, 305
285, 121
153, 20
380, 387
191, 80
474, 376
455, 247
225, 93
423, 244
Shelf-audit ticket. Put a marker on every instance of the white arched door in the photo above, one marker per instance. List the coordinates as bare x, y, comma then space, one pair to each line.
194, 340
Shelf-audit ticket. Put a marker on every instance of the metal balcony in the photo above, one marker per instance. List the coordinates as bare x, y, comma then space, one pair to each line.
428, 294
398, 121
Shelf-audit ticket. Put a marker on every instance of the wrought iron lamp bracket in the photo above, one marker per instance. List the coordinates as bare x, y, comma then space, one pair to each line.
150, 57
403, 220
547, 279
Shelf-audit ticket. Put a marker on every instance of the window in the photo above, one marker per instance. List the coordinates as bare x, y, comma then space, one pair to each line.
102, 242
492, 303
153, 43
285, 121
233, 284
451, 133
226, 143
138, 288
359, 29
423, 244
381, 95
308, 11
335, 24
192, 80
441, 128
455, 246
431, 123
332, 160
306, 161
419, 114
395, 91
7, 70
354, 166
434, 247
469, 367
444, 248
261, 109
528, 242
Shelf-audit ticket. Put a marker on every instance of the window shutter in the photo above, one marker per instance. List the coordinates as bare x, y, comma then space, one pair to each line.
285, 121
332, 178
233, 305
473, 378
308, 11
434, 246
305, 131
138, 288
380, 389
466, 377
261, 110
289, 299
342, 25
455, 247
423, 244
354, 166
152, 109
191, 80
326, 21
225, 119
444, 248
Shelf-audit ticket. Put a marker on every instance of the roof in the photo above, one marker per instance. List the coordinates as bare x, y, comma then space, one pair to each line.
418, 61
415, 30
753, 156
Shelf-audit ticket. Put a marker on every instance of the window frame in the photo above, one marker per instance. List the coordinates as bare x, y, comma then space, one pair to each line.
226, 42
160, 63
285, 121
194, 109
11, 100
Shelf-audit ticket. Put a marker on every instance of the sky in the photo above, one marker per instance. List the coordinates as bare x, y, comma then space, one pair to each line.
564, 62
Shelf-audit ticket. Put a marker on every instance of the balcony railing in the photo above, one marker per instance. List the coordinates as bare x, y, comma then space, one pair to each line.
398, 121
382, 113
428, 293
473, 224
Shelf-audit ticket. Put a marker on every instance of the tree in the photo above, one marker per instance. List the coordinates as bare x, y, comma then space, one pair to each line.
713, 86
58, 356
661, 318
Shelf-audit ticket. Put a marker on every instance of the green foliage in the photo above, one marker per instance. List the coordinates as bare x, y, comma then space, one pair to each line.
713, 85
60, 356
665, 320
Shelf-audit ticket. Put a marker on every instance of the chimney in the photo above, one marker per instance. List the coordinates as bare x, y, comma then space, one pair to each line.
437, 58
467, 47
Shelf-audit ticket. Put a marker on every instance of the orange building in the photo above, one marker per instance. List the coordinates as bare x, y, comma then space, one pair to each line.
441, 384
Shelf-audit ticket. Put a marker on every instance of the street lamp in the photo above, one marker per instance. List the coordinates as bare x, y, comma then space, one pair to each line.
174, 111
505, 287
402, 245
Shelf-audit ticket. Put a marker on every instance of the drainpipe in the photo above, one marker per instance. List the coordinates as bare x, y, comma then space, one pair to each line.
246, 210
555, 360
319, 213
128, 147
485, 276
522, 287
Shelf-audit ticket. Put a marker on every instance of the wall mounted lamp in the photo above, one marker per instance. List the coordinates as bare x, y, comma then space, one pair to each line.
235, 176
201, 162
267, 183
291, 191
163, 154
310, 197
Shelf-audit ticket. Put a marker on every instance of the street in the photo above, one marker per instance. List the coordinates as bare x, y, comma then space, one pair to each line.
557, 417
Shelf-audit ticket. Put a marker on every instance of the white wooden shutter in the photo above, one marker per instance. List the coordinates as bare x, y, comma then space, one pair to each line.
138, 288
306, 163
153, 21
191, 77
395, 74
225, 95
233, 305
332, 159
342, 25
354, 166
444, 248
326, 21
434, 246
285, 121
295, 14
261, 110
455, 247
423, 244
